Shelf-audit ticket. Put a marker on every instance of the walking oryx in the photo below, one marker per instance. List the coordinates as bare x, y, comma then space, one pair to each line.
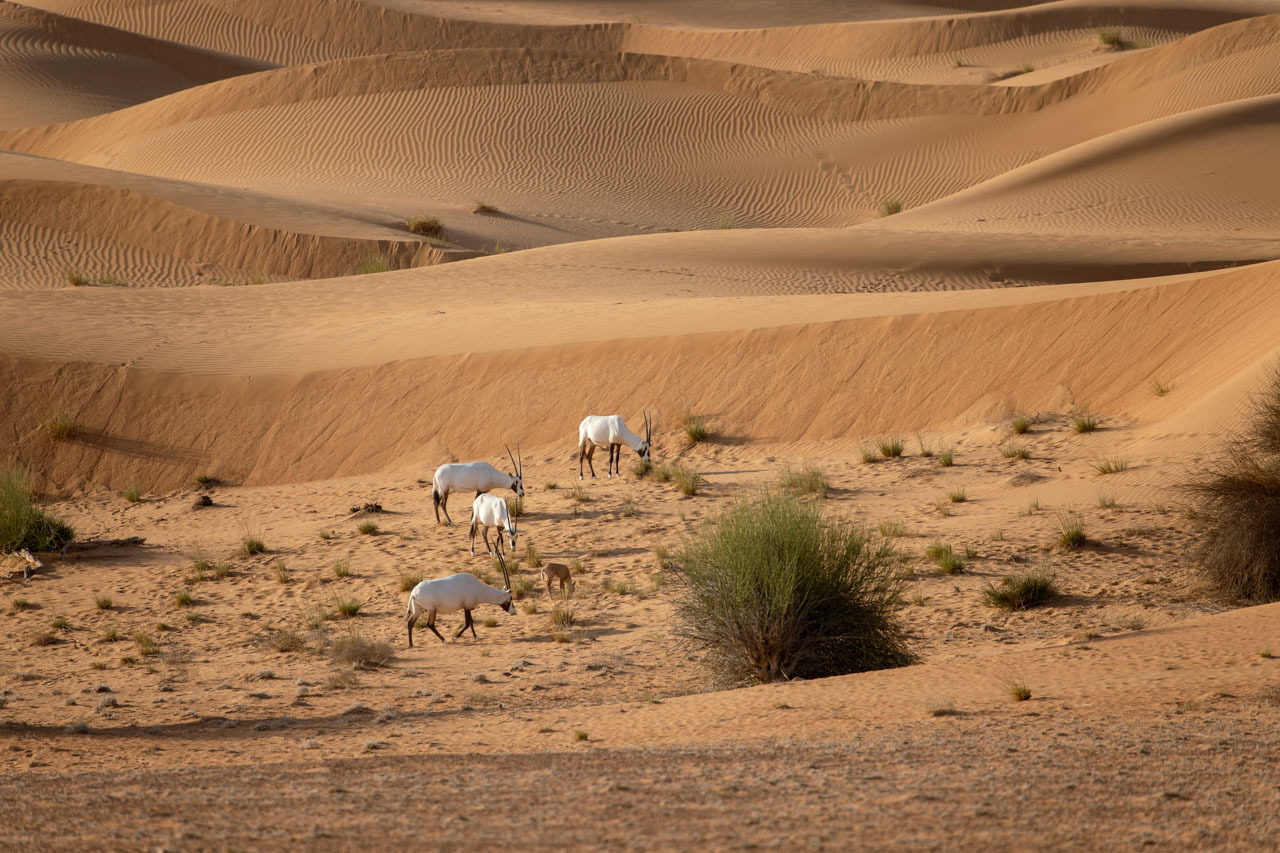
480, 476
610, 431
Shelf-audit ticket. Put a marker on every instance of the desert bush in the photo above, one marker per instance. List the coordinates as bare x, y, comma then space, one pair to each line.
1237, 506
808, 481
358, 650
1020, 424
957, 496
889, 207
287, 641
75, 278
1112, 37
1071, 529
771, 590
347, 607
890, 448
1111, 465
426, 226
687, 479
641, 469
515, 506
22, 523
103, 602
946, 458
1023, 590
1160, 387
1084, 421
182, 598
579, 495
367, 528
532, 556
251, 543
1015, 451
563, 616
281, 571
408, 580
341, 568
370, 266
481, 207
61, 426
892, 529
132, 494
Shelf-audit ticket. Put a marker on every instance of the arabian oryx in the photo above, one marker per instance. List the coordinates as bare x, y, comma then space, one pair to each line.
480, 476
610, 431
463, 592
491, 511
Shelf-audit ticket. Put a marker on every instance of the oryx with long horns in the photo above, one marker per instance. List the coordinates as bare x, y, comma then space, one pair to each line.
478, 476
491, 511
610, 431
450, 594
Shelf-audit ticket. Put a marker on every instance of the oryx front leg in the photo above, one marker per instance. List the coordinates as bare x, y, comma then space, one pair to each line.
465, 625
591, 452
431, 623
444, 505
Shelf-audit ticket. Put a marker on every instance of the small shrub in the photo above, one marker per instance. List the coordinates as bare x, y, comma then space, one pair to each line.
949, 563
1019, 691
1034, 506
662, 473
481, 207
563, 616
771, 590
641, 469
889, 207
1023, 590
347, 607
356, 649
146, 644
182, 598
341, 568
662, 557
206, 480
43, 638
944, 509
103, 602
426, 226
110, 634
1027, 68
281, 572
576, 567
133, 494
1159, 388
551, 485
251, 544
20, 604
946, 458
687, 479
628, 508
926, 451
408, 580
890, 448
695, 427
1015, 451
808, 481
530, 607
724, 223
579, 495
515, 505
1112, 38
326, 535
1071, 529
489, 622
940, 708
75, 278
1020, 424
59, 623
61, 426
22, 523
367, 528
520, 587
1084, 421
957, 496
532, 556
892, 529
579, 735
222, 569
1111, 465
867, 455
1107, 501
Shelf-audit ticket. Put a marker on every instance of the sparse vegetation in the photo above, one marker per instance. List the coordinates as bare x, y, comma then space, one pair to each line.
1111, 465
949, 563
1160, 387
578, 495
686, 478
940, 708
22, 523
341, 568
946, 458
890, 448
483, 208
347, 607
867, 455
287, 641
1015, 451
132, 494
892, 529
1020, 424
408, 580
103, 602
926, 450
1112, 38
1084, 420
281, 572
957, 496
1107, 501
251, 544
563, 616
206, 480
182, 598
515, 505
1019, 691
1237, 506
641, 469
724, 223
325, 535
1023, 590
1071, 529
146, 644
75, 278
356, 649
695, 426
371, 266
889, 207
532, 556
62, 426
426, 226
772, 590
807, 481
367, 528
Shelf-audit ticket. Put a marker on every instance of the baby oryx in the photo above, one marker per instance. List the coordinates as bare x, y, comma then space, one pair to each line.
456, 592
491, 511
554, 571
480, 476
610, 431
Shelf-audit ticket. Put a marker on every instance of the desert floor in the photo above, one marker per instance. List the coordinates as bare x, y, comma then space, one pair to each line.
820, 226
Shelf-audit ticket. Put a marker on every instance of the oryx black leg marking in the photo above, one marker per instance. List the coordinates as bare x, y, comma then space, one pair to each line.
411, 620
591, 451
464, 624
431, 623
472, 625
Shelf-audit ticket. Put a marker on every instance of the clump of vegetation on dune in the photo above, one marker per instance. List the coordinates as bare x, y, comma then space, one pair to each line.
1237, 506
772, 590
23, 524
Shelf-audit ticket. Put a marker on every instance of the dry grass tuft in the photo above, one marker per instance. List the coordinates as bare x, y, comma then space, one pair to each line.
426, 226
358, 650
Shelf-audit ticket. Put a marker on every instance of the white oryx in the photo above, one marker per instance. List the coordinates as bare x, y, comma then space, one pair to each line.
450, 594
491, 511
480, 476
610, 431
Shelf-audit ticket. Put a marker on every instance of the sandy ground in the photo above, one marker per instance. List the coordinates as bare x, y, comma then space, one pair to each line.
204, 260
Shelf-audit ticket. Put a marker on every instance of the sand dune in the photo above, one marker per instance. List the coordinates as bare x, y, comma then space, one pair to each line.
683, 209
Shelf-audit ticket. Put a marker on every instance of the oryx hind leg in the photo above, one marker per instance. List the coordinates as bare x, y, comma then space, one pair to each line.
591, 452
431, 623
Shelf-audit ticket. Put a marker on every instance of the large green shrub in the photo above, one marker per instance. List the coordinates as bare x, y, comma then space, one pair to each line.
771, 590
22, 523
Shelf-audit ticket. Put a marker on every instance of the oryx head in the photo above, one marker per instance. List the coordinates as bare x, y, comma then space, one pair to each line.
517, 465
648, 438
507, 605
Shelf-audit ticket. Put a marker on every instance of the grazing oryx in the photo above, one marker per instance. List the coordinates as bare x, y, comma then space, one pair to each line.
491, 511
609, 431
481, 476
456, 592
557, 571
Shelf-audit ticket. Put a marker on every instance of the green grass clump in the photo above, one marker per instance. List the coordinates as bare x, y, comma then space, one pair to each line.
22, 523
957, 496
1084, 421
1236, 503
1112, 38
408, 580
370, 266
889, 207
892, 529
949, 562
1015, 451
341, 568
426, 226
867, 455
206, 480
1111, 465
515, 506
61, 426
1160, 387
103, 602
1023, 590
146, 644
946, 458
771, 590
563, 616
1019, 691
695, 426
641, 469
367, 528
532, 556
281, 572
481, 207
133, 494
250, 545
182, 598
347, 607
1071, 529
75, 278
808, 481
686, 478
1020, 424
890, 448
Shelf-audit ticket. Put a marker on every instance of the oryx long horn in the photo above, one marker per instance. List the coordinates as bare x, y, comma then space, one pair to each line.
505, 574
513, 459
519, 461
